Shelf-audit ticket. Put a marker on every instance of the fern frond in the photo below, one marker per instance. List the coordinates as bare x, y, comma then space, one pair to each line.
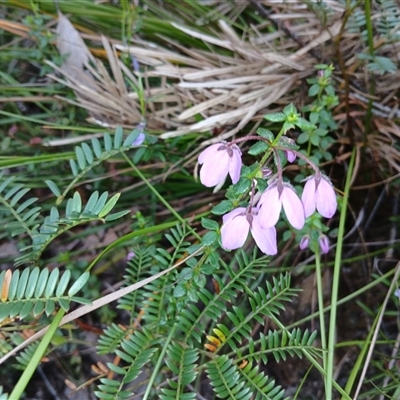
98, 208
138, 268
261, 386
263, 304
182, 363
389, 20
225, 378
192, 319
136, 351
34, 291
24, 214
88, 157
281, 344
110, 339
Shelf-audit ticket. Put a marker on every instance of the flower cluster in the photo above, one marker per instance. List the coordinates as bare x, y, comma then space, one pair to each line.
260, 217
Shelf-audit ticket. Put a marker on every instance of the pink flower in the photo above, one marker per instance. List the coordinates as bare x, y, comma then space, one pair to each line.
236, 226
130, 255
271, 202
319, 194
304, 242
323, 244
218, 160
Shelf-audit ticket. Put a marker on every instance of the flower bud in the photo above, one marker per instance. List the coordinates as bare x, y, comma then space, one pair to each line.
304, 242
323, 244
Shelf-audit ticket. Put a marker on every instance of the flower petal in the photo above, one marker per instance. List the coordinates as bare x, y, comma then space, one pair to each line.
264, 238
209, 152
233, 213
326, 199
234, 232
235, 165
308, 197
215, 169
270, 209
290, 155
293, 207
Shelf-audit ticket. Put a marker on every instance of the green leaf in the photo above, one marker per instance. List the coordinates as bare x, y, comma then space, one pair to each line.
90, 205
100, 203
242, 186
25, 205
51, 283
97, 147
12, 191
304, 124
41, 283
107, 142
223, 207
80, 157
303, 138
53, 187
12, 291
79, 284
88, 153
23, 281
209, 238
18, 196
32, 283
139, 153
64, 304
132, 137
275, 117
209, 224
49, 307
266, 133
62, 285
119, 134
117, 215
74, 167
109, 205
77, 203
258, 148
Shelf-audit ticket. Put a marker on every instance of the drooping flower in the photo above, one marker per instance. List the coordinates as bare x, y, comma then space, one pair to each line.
323, 244
236, 226
131, 254
319, 194
273, 199
218, 160
304, 242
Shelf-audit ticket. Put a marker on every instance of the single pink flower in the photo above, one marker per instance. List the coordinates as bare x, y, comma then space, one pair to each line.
130, 255
271, 203
218, 160
323, 244
319, 194
236, 226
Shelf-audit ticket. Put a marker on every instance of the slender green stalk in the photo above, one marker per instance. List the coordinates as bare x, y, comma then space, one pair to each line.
160, 360
321, 308
35, 360
335, 281
158, 195
360, 359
